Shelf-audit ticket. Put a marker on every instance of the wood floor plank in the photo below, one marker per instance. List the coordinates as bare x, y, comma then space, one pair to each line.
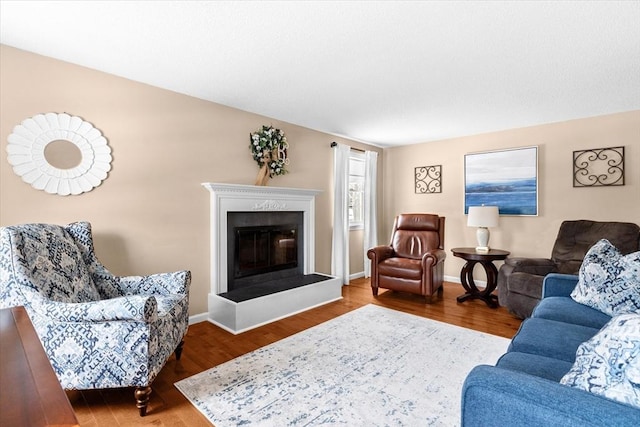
207, 345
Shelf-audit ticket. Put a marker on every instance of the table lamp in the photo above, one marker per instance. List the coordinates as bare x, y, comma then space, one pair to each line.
483, 217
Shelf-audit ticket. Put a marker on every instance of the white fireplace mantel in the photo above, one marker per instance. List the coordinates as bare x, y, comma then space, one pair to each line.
247, 198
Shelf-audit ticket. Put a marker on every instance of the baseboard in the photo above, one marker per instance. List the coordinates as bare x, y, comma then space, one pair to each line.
453, 279
456, 279
197, 318
356, 275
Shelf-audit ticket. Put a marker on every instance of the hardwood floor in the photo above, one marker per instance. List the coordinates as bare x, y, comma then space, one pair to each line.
206, 346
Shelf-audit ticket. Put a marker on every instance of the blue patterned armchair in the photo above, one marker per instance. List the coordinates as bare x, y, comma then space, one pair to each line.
98, 330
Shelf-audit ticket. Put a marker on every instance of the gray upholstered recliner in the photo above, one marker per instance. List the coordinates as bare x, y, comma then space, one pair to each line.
520, 279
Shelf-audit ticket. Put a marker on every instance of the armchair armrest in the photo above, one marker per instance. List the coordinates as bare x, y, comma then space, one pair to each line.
138, 308
537, 266
156, 284
501, 397
558, 285
379, 253
434, 257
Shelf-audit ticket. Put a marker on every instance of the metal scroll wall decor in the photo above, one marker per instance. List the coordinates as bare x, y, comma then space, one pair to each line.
59, 154
428, 179
598, 167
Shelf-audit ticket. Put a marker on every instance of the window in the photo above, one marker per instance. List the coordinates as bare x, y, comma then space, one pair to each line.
356, 191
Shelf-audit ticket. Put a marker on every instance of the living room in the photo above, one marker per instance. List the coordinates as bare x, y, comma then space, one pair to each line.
152, 214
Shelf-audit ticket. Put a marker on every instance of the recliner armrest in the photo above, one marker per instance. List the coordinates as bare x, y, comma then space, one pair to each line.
380, 253
537, 266
438, 255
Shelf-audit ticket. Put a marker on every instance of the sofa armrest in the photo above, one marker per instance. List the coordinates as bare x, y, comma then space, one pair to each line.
501, 397
558, 285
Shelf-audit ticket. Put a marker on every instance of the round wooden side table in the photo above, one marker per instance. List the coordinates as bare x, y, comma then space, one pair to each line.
472, 257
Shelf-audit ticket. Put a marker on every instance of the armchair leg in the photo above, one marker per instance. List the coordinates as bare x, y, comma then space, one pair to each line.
179, 350
375, 291
441, 291
142, 395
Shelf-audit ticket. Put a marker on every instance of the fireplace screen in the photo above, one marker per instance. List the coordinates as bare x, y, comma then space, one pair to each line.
264, 249
264, 246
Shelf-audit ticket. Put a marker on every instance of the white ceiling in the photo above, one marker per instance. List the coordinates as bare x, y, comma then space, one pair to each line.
385, 73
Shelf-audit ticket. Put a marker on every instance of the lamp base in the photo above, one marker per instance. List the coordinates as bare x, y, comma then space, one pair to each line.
483, 239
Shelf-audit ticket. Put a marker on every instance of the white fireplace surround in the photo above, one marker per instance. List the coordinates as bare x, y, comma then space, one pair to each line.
237, 317
251, 198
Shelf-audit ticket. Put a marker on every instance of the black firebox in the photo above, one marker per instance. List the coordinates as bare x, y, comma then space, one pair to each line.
263, 246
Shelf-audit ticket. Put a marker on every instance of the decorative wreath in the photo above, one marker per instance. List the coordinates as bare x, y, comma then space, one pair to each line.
269, 146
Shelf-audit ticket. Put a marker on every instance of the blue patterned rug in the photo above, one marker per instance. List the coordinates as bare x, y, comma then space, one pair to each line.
373, 366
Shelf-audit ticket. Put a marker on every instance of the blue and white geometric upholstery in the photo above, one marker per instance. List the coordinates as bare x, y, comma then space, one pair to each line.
609, 363
98, 330
609, 281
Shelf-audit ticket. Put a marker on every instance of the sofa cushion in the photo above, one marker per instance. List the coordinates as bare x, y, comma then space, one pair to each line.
533, 364
564, 309
609, 363
550, 338
405, 268
609, 281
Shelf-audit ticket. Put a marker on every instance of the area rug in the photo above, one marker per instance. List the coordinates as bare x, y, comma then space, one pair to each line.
372, 366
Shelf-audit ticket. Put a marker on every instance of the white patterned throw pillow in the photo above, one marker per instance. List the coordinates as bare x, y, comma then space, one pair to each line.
609, 281
609, 363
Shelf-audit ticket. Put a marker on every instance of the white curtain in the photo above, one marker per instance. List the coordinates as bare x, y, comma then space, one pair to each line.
340, 243
370, 202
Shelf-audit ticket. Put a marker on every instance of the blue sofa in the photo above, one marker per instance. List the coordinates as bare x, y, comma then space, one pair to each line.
524, 389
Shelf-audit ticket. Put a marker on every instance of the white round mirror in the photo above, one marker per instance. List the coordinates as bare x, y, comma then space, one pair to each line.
62, 154
59, 153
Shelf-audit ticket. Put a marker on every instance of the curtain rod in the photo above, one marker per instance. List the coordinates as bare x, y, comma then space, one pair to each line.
333, 144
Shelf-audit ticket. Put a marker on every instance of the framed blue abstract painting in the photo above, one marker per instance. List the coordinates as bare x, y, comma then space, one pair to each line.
506, 178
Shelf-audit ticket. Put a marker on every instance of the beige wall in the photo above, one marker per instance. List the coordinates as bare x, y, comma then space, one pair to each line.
558, 199
151, 214
356, 257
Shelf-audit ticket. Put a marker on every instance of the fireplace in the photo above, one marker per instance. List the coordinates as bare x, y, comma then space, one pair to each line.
263, 255
263, 250
266, 246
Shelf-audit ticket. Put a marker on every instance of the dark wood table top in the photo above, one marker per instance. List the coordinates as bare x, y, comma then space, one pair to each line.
473, 255
31, 393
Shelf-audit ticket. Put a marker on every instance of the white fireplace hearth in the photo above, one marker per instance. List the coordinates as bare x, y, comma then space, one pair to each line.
237, 317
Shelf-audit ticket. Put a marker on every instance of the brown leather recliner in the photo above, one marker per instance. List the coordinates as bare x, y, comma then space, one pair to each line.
414, 260
520, 279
